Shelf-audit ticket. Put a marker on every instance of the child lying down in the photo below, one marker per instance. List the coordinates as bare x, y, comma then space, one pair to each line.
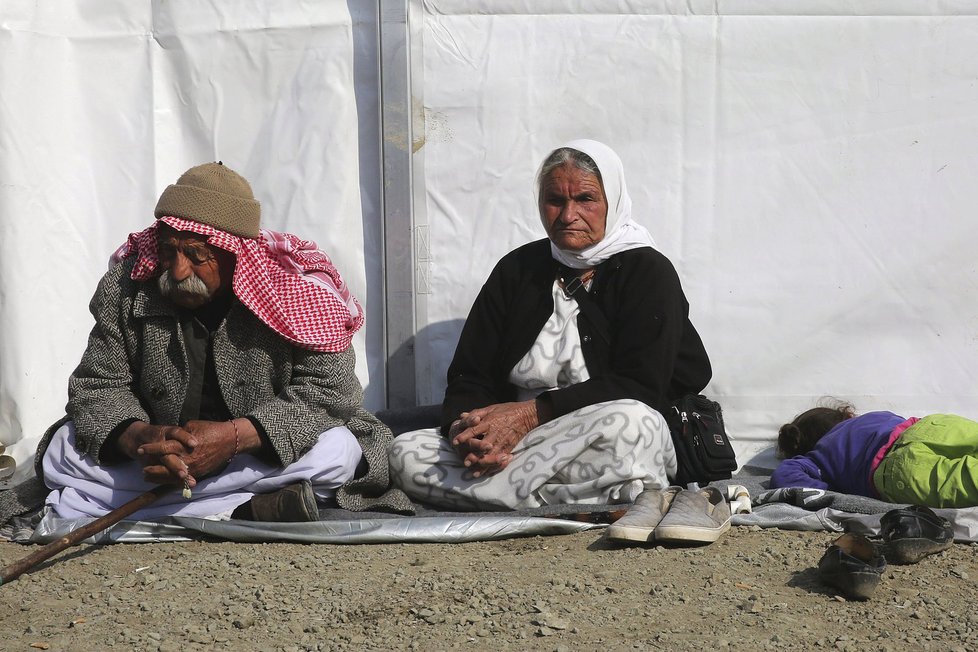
923, 461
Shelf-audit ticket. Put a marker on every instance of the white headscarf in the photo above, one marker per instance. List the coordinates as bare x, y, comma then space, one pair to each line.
621, 232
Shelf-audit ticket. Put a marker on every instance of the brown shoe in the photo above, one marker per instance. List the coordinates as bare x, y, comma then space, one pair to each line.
853, 565
911, 533
293, 504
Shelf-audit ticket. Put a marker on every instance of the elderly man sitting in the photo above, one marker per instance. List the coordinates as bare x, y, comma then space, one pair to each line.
220, 362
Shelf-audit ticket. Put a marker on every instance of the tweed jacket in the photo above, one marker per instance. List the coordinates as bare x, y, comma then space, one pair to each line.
135, 367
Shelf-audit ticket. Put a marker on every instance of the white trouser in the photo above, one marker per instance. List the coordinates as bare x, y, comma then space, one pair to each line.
83, 488
604, 453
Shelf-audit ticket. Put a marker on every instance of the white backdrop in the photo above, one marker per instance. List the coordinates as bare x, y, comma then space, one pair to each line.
809, 167
103, 103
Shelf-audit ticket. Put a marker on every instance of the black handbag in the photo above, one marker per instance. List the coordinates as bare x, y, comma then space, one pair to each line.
703, 449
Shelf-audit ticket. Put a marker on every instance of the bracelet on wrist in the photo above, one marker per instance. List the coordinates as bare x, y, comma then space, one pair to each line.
237, 441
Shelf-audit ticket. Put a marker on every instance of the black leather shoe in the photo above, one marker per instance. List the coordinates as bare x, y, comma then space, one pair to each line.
292, 504
911, 533
853, 565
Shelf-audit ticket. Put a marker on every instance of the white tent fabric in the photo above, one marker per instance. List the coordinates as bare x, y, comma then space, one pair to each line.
807, 165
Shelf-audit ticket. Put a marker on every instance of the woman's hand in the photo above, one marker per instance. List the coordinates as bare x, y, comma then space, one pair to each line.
485, 438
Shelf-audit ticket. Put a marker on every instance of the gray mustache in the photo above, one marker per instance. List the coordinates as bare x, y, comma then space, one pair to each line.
190, 285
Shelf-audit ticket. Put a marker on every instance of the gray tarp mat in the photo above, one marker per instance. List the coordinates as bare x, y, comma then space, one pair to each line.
458, 528
789, 509
791, 517
423, 529
816, 509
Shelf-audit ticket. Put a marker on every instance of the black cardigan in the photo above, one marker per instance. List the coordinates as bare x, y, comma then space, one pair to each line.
655, 354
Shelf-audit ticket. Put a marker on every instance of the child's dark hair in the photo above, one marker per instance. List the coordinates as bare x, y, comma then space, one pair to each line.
801, 435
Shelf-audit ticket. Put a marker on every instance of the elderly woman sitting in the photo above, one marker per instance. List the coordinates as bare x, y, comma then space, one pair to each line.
550, 402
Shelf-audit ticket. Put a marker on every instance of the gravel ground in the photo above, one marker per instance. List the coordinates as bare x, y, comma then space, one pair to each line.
753, 589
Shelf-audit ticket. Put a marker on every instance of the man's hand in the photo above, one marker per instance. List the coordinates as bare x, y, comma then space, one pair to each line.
214, 444
485, 438
141, 440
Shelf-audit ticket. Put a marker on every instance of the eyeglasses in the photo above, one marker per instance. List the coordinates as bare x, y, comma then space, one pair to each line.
197, 255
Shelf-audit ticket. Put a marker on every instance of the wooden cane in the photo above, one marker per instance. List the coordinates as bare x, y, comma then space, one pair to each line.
12, 571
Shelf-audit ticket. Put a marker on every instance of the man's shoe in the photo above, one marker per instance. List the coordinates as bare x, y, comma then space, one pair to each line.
640, 520
293, 504
911, 533
853, 565
699, 516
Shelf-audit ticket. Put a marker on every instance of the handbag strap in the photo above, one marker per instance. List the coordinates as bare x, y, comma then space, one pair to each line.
574, 288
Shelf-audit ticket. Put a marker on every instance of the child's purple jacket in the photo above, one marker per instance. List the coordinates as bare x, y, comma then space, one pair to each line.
842, 459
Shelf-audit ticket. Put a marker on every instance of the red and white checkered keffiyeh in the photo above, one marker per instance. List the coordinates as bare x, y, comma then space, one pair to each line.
287, 282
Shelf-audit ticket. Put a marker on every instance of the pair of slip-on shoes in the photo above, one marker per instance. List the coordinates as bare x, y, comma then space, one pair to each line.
674, 515
854, 564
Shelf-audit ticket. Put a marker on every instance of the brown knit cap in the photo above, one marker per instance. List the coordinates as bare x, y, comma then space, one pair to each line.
216, 195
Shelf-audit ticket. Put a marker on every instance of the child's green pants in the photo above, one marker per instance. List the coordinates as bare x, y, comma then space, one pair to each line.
933, 463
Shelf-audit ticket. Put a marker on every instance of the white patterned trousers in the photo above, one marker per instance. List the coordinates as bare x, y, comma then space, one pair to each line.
604, 453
